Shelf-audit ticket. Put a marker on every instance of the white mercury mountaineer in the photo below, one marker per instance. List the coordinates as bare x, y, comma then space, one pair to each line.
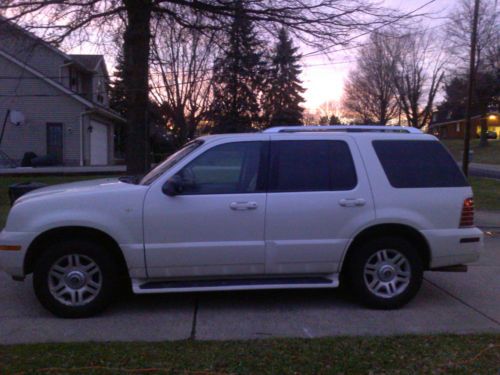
291, 207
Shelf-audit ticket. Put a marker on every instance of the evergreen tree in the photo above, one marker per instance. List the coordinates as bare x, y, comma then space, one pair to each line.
118, 102
117, 92
238, 78
283, 98
334, 120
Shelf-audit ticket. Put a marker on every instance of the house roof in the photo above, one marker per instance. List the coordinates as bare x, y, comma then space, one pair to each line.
438, 124
87, 62
91, 105
4, 20
90, 62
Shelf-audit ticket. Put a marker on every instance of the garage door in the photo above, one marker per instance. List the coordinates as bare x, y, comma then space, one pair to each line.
98, 144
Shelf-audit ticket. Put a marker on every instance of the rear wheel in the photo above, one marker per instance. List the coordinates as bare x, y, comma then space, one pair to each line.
385, 273
75, 278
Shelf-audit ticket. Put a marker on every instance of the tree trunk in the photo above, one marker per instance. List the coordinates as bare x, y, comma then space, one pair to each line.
483, 141
136, 41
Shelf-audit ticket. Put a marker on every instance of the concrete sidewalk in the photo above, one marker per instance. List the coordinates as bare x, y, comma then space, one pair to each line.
484, 170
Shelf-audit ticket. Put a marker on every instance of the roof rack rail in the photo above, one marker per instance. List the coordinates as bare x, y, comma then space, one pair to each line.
343, 128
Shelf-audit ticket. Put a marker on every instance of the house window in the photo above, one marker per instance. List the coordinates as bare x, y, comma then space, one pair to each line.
100, 91
73, 80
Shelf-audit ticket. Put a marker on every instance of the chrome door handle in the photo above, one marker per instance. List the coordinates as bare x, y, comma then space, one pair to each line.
352, 202
241, 206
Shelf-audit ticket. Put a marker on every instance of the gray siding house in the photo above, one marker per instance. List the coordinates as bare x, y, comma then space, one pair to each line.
63, 99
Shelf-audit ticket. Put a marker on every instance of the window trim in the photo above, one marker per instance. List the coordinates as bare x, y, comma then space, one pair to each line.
270, 167
262, 168
373, 142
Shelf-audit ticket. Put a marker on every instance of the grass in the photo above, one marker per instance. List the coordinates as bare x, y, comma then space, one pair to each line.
486, 193
455, 354
486, 155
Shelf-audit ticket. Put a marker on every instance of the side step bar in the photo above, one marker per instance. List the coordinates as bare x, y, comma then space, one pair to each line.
177, 286
456, 268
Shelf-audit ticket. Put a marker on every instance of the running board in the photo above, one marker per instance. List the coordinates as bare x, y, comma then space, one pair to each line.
141, 286
455, 268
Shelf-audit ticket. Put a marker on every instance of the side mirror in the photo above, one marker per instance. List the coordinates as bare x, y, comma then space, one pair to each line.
173, 186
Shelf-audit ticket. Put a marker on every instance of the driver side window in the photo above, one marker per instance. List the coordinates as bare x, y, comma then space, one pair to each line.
231, 168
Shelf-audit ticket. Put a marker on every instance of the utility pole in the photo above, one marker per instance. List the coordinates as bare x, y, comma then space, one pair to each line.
470, 88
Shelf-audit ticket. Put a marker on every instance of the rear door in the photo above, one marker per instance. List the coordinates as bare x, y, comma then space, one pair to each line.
318, 196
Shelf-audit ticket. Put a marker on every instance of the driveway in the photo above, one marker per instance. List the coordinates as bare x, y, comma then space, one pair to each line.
448, 302
484, 170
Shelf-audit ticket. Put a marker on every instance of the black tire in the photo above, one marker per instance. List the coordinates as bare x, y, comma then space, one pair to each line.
86, 249
358, 281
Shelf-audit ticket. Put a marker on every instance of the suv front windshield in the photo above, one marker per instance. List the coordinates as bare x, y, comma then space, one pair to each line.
170, 162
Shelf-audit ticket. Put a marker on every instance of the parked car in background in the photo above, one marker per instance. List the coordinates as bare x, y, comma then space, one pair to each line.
294, 207
491, 135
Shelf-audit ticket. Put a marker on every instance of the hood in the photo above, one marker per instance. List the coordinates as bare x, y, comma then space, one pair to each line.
89, 186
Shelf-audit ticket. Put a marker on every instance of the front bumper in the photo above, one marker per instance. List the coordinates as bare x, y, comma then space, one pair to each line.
12, 261
448, 248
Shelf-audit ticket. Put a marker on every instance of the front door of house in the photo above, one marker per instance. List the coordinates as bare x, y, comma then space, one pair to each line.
55, 141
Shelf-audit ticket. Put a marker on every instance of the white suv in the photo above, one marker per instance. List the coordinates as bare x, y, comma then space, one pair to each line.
291, 207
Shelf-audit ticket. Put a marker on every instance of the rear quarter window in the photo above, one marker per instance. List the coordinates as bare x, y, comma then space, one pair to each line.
418, 164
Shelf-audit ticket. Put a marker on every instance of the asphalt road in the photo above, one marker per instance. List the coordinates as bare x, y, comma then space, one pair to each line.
448, 302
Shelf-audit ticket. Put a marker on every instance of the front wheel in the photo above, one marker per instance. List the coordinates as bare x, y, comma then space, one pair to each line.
385, 273
74, 278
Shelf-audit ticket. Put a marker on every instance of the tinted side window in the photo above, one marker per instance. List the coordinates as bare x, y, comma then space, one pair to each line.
230, 168
311, 166
418, 164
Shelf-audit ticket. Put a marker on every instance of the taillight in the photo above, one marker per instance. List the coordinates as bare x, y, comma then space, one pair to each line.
467, 218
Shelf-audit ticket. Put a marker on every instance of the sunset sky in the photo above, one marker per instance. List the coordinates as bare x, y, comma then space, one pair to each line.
323, 76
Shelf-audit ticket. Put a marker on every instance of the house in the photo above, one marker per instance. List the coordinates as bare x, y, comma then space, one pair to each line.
52, 103
447, 128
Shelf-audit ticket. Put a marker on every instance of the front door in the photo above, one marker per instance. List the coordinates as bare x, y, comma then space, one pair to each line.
318, 195
215, 226
55, 141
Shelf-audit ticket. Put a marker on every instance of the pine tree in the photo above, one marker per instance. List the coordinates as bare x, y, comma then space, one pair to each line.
334, 120
238, 78
117, 99
118, 102
282, 102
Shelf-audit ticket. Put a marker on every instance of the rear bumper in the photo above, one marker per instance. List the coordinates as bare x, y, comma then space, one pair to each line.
454, 246
15, 246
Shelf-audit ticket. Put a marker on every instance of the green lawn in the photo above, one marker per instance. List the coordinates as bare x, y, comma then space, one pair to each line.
486, 155
486, 193
465, 354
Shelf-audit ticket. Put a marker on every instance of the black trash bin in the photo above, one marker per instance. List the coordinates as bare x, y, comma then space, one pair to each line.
16, 190
27, 158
